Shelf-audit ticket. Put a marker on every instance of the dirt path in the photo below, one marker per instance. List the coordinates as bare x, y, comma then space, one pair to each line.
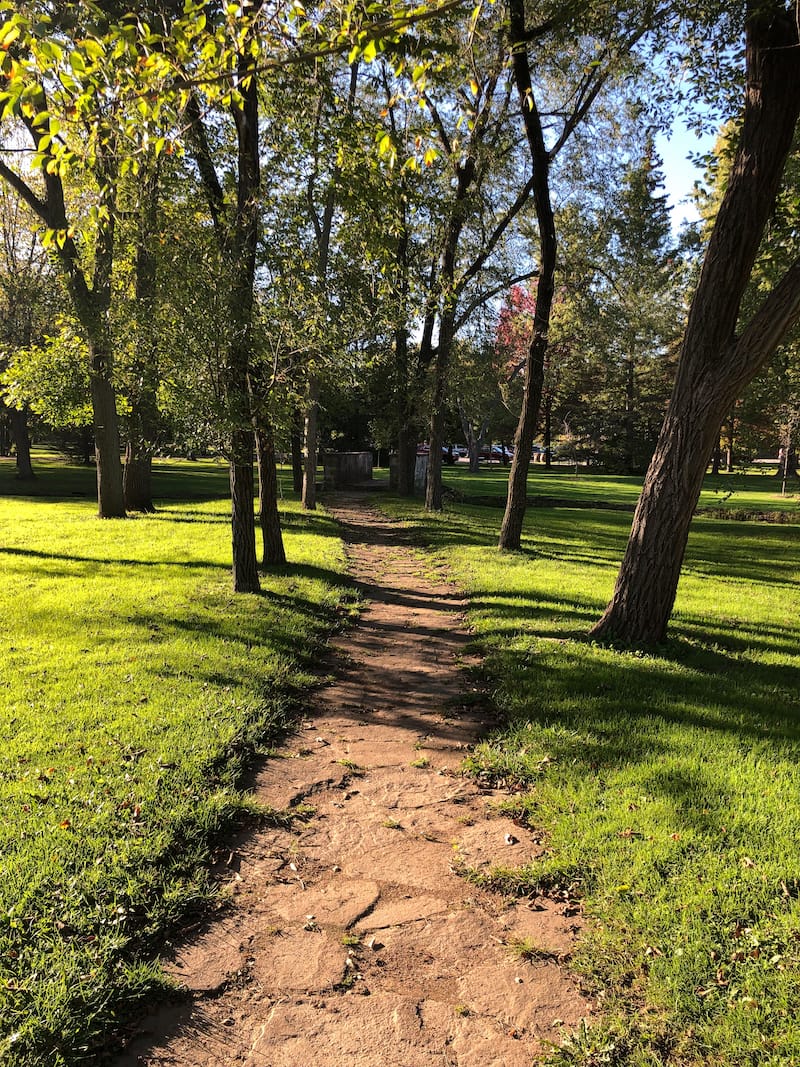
353, 939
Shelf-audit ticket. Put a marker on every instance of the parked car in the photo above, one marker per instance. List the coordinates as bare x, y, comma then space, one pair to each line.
495, 454
449, 454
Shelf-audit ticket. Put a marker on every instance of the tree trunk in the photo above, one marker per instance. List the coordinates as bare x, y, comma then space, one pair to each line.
143, 420
243, 536
630, 382
716, 458
110, 493
729, 443
406, 460
714, 365
137, 480
309, 496
511, 528
5, 431
787, 467
406, 435
516, 502
548, 431
268, 516
22, 443
296, 445
433, 485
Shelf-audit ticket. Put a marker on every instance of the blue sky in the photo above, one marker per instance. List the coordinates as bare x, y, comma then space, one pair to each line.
679, 173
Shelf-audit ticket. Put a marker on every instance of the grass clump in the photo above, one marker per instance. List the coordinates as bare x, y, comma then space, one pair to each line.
667, 782
134, 688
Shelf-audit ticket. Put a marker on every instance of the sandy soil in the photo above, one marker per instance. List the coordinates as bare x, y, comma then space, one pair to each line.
353, 937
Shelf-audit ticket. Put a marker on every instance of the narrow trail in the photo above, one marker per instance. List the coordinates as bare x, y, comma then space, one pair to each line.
352, 938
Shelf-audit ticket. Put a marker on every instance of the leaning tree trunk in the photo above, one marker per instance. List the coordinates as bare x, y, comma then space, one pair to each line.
269, 519
714, 365
511, 528
22, 443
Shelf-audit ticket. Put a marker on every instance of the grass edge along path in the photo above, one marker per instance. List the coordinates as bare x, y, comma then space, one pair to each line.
666, 783
134, 689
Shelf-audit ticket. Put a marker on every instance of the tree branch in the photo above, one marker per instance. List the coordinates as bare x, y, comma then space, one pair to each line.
24, 191
201, 153
484, 297
499, 230
437, 119
779, 311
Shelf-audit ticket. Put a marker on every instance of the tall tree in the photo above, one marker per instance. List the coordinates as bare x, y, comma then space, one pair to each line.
604, 41
26, 301
65, 91
236, 227
716, 361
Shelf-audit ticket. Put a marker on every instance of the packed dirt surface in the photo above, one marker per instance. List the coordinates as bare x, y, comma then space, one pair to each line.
353, 937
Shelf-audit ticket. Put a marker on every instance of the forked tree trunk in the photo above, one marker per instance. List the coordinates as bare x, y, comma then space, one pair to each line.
22, 443
714, 365
268, 517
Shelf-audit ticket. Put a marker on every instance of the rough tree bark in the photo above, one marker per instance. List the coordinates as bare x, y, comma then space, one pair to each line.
715, 364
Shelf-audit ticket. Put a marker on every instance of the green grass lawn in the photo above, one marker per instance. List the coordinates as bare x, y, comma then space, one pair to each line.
134, 686
667, 784
739, 492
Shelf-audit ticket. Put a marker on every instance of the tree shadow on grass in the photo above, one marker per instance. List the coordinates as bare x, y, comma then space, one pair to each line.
111, 561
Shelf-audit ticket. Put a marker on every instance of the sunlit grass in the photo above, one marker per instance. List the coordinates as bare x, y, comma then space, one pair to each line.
737, 492
667, 783
134, 687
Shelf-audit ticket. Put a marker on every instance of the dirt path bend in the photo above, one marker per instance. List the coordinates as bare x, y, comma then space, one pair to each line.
353, 939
